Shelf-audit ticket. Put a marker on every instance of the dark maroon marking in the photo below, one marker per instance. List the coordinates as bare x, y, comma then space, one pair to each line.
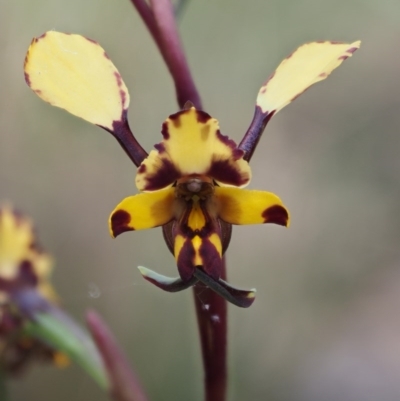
41, 36
226, 140
165, 131
27, 274
164, 176
351, 50
287, 58
264, 85
119, 78
160, 147
91, 40
323, 75
27, 79
185, 261
276, 214
222, 171
176, 119
123, 97
294, 98
211, 259
343, 57
202, 116
106, 56
119, 222
142, 169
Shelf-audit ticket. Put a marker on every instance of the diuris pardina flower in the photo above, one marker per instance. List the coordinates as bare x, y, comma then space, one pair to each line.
195, 178
24, 268
192, 183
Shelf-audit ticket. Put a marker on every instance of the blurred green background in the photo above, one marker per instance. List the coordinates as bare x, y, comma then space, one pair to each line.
325, 324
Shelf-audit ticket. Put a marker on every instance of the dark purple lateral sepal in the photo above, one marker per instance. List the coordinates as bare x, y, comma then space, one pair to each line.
254, 132
123, 134
236, 296
169, 284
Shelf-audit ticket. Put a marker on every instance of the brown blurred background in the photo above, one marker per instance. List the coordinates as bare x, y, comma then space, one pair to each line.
326, 322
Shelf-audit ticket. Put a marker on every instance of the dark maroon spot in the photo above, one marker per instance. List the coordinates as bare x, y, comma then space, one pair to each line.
91, 40
343, 57
222, 171
202, 116
119, 78
106, 56
119, 222
27, 79
164, 176
323, 75
41, 36
123, 97
175, 119
165, 131
352, 50
335, 42
142, 169
294, 98
264, 86
276, 214
185, 261
160, 147
211, 259
226, 140
287, 58
27, 274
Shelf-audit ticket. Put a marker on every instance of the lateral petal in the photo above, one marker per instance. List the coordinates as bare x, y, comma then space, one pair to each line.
75, 73
193, 145
307, 65
241, 206
142, 211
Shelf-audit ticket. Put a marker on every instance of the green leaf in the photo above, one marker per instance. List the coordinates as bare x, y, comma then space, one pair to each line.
58, 330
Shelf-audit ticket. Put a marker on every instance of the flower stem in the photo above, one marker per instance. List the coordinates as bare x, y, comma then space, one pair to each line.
125, 385
211, 312
160, 21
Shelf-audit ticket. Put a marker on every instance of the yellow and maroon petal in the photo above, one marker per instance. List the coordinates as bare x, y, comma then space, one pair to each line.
75, 73
193, 145
240, 206
309, 64
142, 211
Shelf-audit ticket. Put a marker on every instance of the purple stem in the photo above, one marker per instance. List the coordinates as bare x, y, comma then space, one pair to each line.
160, 21
212, 322
211, 309
124, 383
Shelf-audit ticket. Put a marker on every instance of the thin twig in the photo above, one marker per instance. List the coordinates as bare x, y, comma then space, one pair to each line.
124, 383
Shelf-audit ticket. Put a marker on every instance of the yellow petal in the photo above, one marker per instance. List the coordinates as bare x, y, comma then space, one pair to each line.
193, 145
18, 248
240, 206
75, 73
309, 64
142, 211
